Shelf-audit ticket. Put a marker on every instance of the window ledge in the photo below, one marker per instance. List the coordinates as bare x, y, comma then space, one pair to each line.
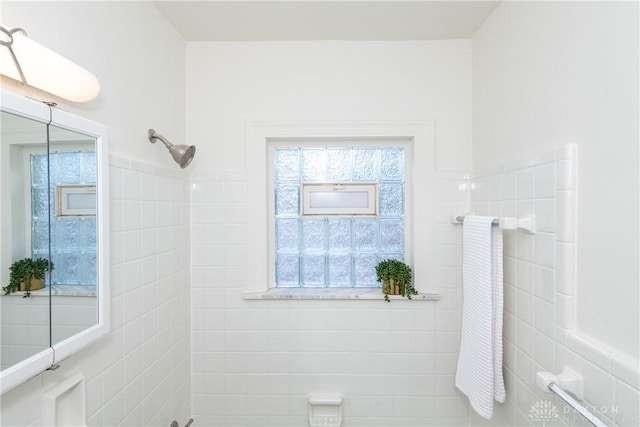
61, 290
331, 293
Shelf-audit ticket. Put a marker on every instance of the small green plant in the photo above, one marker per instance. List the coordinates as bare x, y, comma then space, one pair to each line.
395, 277
23, 271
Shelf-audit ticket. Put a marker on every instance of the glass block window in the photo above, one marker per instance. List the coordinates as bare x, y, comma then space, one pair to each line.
337, 251
73, 240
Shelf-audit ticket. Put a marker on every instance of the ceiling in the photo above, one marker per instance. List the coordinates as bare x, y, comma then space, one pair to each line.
325, 20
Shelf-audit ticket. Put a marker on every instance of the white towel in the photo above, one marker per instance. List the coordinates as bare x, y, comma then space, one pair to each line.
479, 373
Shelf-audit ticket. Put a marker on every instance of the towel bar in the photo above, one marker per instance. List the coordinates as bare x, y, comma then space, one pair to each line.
568, 381
527, 223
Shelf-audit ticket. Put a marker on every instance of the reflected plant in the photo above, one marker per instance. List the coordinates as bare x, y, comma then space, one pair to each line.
23, 272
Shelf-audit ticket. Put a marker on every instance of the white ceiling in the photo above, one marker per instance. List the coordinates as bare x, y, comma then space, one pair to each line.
325, 20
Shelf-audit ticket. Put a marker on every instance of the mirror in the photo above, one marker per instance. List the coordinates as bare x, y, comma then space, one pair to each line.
54, 190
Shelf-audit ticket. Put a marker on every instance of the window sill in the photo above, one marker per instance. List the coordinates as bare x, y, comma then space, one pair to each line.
331, 293
60, 290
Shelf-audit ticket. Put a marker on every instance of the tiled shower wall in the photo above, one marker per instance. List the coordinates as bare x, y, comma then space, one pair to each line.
256, 361
139, 373
540, 289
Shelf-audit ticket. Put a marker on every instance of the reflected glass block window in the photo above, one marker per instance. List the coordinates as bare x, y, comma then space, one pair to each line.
73, 239
332, 250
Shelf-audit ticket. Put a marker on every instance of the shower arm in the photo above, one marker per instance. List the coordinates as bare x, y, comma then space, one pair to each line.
153, 136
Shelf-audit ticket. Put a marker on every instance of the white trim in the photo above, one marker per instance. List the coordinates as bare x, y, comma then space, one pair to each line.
370, 190
419, 188
22, 371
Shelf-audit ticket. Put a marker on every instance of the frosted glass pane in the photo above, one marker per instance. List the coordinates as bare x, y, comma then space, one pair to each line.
313, 270
88, 272
287, 164
391, 199
287, 270
391, 232
340, 270
287, 234
88, 237
68, 171
287, 200
339, 234
40, 235
365, 270
66, 268
88, 168
66, 234
391, 164
39, 202
313, 164
339, 164
313, 234
365, 233
337, 251
365, 167
39, 170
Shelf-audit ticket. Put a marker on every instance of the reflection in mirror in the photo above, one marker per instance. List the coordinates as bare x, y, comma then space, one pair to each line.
24, 321
54, 206
73, 238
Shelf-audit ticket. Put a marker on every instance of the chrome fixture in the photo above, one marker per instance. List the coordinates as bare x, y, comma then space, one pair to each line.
182, 154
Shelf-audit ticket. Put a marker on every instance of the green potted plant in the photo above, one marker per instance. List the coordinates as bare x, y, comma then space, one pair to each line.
27, 275
395, 277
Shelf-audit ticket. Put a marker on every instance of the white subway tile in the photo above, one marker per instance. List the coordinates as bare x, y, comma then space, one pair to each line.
545, 181
599, 386
544, 317
566, 175
627, 405
544, 283
565, 311
524, 276
566, 216
526, 183
565, 268
545, 249
525, 307
545, 211
495, 188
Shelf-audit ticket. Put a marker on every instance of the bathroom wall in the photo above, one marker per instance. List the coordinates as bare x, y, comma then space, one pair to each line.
139, 373
25, 322
255, 361
545, 75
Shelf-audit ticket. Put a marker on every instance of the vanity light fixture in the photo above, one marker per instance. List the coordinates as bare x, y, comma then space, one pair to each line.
35, 65
182, 154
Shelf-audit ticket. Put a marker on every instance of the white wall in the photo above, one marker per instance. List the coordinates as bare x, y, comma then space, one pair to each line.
254, 362
228, 83
139, 373
550, 73
546, 74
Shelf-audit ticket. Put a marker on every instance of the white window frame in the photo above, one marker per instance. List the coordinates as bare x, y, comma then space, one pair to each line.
64, 192
419, 161
340, 188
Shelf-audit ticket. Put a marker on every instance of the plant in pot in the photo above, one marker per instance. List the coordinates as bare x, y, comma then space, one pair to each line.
27, 275
395, 277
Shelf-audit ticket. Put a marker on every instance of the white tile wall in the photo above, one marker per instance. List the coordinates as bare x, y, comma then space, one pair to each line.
540, 289
138, 374
255, 361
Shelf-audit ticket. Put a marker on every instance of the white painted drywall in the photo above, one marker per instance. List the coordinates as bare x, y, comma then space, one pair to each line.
550, 73
229, 83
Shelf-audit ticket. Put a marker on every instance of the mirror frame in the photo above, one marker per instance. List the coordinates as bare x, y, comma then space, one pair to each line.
43, 113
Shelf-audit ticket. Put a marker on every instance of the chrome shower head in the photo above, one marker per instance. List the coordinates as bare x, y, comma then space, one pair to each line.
182, 154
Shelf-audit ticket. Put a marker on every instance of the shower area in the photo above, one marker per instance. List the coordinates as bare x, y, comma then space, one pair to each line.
534, 113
